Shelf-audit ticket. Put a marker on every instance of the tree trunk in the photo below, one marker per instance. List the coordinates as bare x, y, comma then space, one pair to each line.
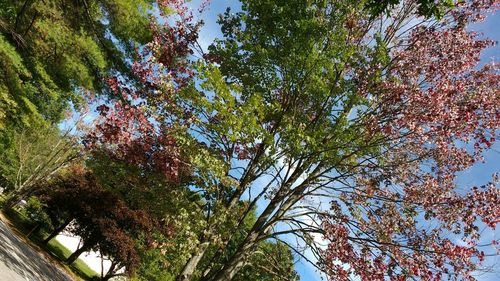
12, 200
190, 267
71, 259
111, 272
57, 230
238, 259
19, 14
34, 229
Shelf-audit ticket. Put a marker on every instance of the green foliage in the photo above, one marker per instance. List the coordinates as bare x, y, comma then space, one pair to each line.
35, 211
164, 254
157, 264
270, 262
52, 52
12, 89
34, 155
129, 20
284, 62
427, 8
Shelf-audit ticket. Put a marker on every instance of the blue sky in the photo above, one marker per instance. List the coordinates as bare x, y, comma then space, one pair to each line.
482, 172
477, 175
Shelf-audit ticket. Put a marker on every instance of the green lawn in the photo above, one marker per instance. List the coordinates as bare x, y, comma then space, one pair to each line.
79, 267
54, 248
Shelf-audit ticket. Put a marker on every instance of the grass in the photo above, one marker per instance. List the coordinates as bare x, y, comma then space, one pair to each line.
26, 227
79, 267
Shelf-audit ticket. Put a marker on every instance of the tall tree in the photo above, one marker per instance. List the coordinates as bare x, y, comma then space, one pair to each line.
305, 102
271, 261
34, 156
54, 52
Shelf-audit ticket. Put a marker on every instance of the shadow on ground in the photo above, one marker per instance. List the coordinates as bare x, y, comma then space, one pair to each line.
24, 263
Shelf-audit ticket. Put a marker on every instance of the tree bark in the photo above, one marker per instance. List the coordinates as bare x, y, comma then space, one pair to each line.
19, 14
111, 272
34, 229
72, 258
57, 230
190, 267
261, 226
238, 259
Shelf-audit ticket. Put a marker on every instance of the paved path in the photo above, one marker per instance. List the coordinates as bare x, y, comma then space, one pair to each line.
19, 262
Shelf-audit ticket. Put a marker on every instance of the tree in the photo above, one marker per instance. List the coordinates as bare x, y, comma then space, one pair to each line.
84, 199
271, 261
101, 218
35, 156
53, 50
53, 53
165, 197
425, 8
305, 102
